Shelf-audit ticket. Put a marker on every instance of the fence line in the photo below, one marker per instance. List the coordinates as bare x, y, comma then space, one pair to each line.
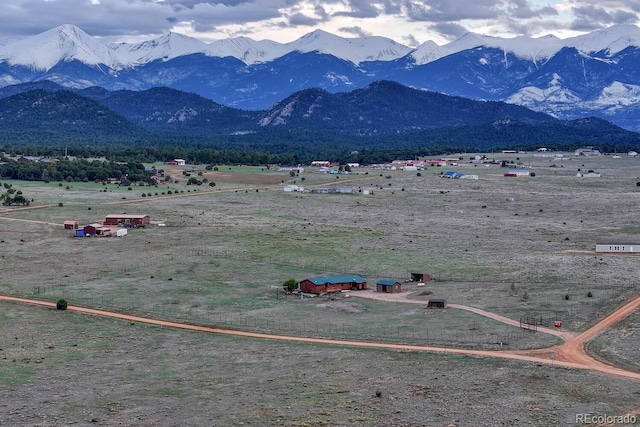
574, 314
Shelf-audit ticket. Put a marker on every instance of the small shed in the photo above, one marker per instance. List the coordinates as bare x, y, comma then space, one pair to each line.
388, 286
71, 225
437, 303
420, 277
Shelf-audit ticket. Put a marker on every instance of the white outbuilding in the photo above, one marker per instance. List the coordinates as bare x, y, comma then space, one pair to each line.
618, 247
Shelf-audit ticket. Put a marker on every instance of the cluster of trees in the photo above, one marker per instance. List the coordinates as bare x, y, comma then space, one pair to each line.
13, 197
76, 170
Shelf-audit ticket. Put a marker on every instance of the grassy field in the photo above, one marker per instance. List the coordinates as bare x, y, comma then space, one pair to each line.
224, 250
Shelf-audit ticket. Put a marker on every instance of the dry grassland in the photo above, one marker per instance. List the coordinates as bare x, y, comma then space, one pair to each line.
223, 250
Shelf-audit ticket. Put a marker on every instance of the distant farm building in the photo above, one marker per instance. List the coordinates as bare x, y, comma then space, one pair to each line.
420, 277
293, 188
458, 175
28, 159
518, 172
589, 174
322, 285
320, 164
388, 286
96, 230
297, 169
71, 225
333, 189
587, 152
438, 163
618, 247
437, 303
126, 220
176, 162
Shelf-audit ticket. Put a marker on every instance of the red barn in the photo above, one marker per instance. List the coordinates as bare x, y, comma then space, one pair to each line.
322, 285
126, 220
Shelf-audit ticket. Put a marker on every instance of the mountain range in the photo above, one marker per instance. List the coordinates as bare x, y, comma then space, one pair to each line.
383, 115
597, 74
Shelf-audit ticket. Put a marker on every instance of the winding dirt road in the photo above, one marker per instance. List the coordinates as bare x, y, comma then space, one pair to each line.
571, 354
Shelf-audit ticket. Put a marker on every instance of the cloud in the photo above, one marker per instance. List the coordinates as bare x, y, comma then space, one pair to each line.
410, 40
356, 31
443, 19
591, 17
448, 30
360, 9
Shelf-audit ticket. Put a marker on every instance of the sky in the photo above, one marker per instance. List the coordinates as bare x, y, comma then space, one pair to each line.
410, 22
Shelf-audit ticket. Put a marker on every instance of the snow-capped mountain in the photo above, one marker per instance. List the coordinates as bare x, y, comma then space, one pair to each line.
166, 47
65, 43
593, 74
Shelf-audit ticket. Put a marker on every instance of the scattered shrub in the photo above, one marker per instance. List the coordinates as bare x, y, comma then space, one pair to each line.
61, 304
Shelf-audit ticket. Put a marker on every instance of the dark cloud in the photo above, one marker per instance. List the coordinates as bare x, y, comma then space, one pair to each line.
118, 19
588, 18
355, 31
361, 9
301, 19
451, 10
410, 40
449, 30
520, 9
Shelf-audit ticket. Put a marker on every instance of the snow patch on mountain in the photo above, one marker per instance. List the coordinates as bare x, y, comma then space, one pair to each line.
617, 96
550, 99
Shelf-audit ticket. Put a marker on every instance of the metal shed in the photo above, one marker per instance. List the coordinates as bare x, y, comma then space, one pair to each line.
437, 303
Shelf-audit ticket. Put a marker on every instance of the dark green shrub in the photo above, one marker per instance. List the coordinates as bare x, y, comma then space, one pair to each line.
61, 304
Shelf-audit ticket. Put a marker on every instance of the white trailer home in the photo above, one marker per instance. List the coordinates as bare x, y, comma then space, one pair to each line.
618, 247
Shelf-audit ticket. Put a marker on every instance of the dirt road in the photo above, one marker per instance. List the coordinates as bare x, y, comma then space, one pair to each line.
572, 351
404, 297
571, 356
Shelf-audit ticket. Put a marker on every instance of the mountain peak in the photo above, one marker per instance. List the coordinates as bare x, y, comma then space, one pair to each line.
165, 47
64, 43
355, 50
611, 39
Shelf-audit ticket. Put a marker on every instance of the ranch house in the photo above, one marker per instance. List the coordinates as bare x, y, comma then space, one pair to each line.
388, 286
126, 220
322, 285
